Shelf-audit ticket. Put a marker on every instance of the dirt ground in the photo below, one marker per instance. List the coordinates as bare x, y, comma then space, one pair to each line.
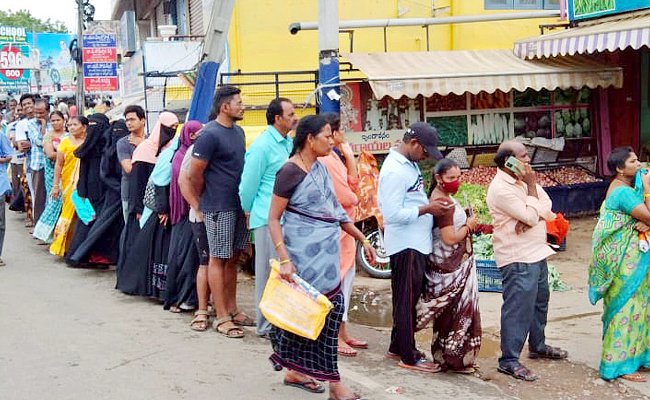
573, 323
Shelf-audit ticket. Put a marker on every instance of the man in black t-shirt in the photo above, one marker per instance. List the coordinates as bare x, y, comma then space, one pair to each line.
215, 172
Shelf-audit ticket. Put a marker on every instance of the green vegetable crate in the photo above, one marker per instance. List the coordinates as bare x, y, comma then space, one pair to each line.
489, 276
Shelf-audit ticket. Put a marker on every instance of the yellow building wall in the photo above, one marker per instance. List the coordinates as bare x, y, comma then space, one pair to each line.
260, 41
490, 35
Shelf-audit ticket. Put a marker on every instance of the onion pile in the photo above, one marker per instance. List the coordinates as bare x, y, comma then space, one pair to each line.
482, 175
573, 175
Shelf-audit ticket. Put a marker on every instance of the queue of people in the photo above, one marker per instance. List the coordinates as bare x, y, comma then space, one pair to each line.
173, 210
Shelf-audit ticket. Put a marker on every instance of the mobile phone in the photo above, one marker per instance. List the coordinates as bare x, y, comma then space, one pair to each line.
515, 165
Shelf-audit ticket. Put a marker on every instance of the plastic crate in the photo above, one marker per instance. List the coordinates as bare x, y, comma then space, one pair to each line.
489, 276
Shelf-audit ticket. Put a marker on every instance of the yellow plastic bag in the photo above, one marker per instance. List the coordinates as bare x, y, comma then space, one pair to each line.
294, 307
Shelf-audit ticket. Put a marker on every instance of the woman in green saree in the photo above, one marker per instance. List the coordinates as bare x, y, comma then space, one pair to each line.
619, 271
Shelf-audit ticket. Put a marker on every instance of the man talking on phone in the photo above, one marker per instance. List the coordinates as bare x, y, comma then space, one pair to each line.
519, 208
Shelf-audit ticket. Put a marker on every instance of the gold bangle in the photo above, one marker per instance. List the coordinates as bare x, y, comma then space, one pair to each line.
285, 261
365, 241
278, 244
646, 195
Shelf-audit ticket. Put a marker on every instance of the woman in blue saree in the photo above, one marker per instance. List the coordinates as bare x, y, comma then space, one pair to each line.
308, 244
619, 271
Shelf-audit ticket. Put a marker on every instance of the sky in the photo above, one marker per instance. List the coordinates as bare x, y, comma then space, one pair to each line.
64, 10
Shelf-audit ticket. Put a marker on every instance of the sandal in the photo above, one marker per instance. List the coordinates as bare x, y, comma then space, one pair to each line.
354, 397
519, 372
200, 321
634, 377
552, 353
316, 387
175, 309
464, 371
2, 263
392, 356
422, 365
346, 351
357, 344
247, 321
234, 332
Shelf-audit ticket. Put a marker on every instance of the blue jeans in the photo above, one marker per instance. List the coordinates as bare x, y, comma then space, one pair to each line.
524, 309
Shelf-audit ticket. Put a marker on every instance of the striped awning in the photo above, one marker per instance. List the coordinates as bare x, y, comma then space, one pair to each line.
443, 72
632, 30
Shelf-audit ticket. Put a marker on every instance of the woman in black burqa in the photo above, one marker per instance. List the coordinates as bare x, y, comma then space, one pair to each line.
103, 237
138, 255
90, 186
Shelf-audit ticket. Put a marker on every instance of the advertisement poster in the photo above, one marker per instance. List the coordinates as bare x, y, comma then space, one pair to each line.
57, 69
13, 45
582, 9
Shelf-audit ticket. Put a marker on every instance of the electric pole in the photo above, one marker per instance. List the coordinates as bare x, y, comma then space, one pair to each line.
328, 55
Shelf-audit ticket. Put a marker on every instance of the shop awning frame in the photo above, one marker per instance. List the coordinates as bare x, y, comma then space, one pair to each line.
474, 71
628, 31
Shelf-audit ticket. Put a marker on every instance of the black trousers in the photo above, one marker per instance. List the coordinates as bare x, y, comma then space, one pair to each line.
407, 282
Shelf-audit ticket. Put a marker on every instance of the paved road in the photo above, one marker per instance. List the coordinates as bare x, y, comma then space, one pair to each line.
68, 334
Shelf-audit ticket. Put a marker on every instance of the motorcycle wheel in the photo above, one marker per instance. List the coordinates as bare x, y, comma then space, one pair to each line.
382, 268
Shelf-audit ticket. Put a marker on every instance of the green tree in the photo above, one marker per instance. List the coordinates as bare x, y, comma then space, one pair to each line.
25, 19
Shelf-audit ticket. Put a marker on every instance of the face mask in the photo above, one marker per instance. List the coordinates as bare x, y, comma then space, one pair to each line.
450, 187
166, 134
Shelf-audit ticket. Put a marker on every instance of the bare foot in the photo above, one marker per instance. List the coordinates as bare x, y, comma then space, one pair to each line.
345, 350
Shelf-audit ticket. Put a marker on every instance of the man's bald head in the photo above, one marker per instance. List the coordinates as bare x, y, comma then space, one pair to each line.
507, 149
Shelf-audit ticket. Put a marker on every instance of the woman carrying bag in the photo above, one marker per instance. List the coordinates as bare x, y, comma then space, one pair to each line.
308, 244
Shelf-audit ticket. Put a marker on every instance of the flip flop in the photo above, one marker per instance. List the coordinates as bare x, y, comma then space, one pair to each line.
354, 397
422, 365
519, 372
392, 356
464, 371
346, 351
357, 344
303, 385
634, 377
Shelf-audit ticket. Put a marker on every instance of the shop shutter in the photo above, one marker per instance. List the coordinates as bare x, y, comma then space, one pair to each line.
196, 17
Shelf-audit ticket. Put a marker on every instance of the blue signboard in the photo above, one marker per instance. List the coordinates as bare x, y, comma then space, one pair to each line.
100, 69
583, 9
100, 40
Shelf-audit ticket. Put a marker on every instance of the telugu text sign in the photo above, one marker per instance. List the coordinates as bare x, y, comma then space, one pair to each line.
100, 54
100, 69
100, 84
100, 40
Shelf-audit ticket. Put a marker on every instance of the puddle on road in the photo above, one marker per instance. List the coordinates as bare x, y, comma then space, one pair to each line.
490, 347
371, 309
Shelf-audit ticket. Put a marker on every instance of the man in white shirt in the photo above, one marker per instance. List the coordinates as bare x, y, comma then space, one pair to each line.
408, 224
